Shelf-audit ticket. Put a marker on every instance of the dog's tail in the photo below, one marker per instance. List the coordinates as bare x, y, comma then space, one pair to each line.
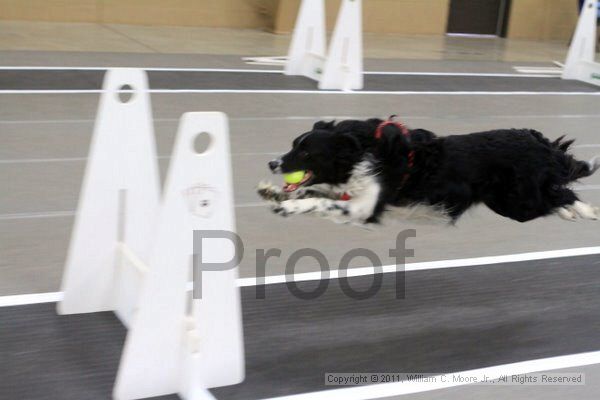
582, 169
593, 165
562, 144
577, 169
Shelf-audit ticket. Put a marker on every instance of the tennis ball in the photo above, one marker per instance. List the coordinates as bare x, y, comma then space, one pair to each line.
294, 177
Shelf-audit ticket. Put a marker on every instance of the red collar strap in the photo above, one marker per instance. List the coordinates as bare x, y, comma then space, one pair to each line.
411, 154
399, 125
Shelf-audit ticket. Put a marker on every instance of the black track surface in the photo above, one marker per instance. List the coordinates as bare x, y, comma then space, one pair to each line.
450, 320
179, 80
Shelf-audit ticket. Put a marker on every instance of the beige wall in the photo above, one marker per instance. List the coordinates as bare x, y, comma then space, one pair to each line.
398, 16
388, 16
542, 19
529, 19
50, 10
223, 13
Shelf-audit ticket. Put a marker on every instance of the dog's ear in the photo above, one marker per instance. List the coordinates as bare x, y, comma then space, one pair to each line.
324, 125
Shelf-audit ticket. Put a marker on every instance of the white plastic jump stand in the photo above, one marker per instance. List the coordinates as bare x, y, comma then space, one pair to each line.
118, 203
306, 55
342, 66
168, 350
132, 254
580, 63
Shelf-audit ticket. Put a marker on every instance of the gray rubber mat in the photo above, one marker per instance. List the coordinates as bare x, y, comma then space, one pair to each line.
450, 320
179, 80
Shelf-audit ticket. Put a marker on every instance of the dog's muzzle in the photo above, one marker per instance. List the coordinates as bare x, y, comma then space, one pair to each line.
275, 165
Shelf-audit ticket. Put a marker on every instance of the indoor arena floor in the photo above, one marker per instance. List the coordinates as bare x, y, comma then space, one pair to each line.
475, 315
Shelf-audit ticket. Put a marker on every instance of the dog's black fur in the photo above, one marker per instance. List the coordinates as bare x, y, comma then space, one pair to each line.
518, 173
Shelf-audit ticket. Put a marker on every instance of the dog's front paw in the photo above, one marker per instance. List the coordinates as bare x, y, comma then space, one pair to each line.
270, 192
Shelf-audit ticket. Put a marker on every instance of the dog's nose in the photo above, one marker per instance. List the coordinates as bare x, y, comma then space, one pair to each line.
274, 165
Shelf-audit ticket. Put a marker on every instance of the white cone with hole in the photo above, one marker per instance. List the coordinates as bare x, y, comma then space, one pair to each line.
341, 67
306, 54
580, 63
118, 203
206, 348
132, 253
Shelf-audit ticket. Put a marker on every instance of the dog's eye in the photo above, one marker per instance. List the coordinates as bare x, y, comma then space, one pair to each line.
304, 154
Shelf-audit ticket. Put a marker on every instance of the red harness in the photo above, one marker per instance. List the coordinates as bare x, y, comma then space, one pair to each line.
406, 133
411, 154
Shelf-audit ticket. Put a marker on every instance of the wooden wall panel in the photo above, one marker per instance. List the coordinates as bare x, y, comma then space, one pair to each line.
529, 19
212, 13
542, 19
50, 10
379, 16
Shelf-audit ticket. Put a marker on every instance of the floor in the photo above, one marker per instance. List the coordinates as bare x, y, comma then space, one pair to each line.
85, 37
291, 343
45, 134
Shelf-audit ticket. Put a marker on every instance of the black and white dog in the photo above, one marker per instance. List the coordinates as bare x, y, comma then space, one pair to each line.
357, 171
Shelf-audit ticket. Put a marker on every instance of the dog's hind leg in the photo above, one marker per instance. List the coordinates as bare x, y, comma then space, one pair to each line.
578, 209
569, 207
586, 211
523, 210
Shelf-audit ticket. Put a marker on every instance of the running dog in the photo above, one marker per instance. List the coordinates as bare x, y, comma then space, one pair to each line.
359, 171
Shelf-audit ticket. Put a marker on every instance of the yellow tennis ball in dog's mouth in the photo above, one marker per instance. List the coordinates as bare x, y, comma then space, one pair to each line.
294, 177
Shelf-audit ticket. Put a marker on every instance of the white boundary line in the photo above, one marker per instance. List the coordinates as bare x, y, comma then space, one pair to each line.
80, 159
41, 160
66, 91
443, 264
548, 72
310, 91
382, 390
556, 70
63, 214
77, 121
40, 214
471, 74
242, 154
318, 117
24, 299
158, 69
473, 35
276, 71
283, 118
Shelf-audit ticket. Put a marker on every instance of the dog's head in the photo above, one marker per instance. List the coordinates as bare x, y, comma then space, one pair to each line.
328, 152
